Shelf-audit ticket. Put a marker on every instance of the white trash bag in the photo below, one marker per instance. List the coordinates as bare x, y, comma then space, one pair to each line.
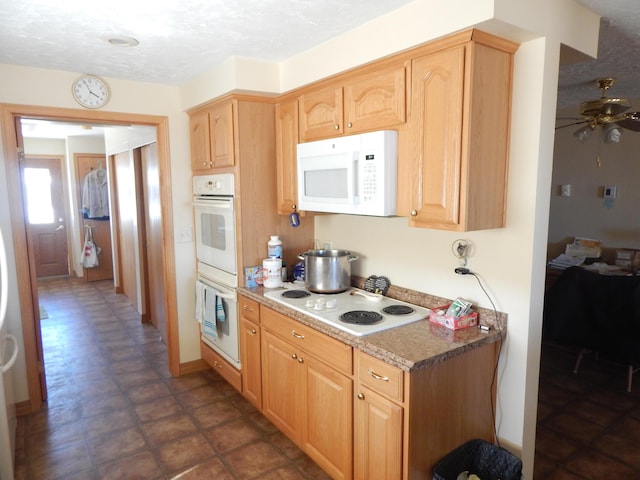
90, 250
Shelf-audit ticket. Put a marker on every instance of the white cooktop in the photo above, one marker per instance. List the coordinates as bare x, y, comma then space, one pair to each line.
328, 308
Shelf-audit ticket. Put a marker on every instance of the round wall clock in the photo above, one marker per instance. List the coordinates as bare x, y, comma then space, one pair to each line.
90, 91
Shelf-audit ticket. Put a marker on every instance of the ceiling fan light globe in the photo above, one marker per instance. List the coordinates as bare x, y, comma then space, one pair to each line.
583, 133
612, 133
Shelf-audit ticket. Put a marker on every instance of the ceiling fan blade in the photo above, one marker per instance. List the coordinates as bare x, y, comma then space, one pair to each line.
631, 121
581, 122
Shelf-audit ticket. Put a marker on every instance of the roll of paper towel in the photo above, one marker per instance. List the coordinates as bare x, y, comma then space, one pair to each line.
272, 272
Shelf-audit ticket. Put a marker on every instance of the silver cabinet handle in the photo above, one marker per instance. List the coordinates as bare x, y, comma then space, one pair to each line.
376, 376
297, 335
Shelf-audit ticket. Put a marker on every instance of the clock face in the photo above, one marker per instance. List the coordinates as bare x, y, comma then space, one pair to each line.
90, 91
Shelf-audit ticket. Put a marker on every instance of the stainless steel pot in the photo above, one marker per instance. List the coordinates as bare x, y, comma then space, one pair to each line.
327, 271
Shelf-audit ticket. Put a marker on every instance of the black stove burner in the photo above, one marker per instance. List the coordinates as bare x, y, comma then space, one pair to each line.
361, 317
398, 309
295, 294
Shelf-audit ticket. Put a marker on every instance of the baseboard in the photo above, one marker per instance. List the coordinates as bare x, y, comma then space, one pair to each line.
512, 447
193, 366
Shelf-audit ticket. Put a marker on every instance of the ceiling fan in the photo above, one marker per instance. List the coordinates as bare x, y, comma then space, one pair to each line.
607, 113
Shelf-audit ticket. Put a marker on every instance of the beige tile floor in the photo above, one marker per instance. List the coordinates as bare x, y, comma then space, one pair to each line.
114, 411
588, 424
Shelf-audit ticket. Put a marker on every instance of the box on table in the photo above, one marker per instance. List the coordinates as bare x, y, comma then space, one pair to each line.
625, 258
465, 321
253, 276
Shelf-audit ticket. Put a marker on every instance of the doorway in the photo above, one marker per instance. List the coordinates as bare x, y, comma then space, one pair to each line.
27, 289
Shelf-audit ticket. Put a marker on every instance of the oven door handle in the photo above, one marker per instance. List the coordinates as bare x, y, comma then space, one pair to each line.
221, 204
223, 295
217, 290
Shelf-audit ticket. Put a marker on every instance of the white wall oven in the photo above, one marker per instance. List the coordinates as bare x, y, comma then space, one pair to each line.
217, 313
217, 279
215, 226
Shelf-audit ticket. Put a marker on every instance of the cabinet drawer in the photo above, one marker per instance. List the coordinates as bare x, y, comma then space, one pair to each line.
221, 366
249, 309
380, 376
329, 350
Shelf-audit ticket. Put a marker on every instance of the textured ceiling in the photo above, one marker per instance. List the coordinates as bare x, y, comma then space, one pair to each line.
618, 56
180, 39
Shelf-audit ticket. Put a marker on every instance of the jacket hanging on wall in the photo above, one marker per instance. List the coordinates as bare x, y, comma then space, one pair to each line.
90, 250
95, 195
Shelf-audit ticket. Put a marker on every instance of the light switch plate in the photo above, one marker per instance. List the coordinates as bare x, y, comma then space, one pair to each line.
185, 235
610, 191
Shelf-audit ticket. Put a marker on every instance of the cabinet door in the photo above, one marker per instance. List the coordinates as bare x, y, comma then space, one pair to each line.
283, 381
320, 114
250, 359
436, 133
286, 156
378, 437
200, 141
328, 419
221, 135
375, 101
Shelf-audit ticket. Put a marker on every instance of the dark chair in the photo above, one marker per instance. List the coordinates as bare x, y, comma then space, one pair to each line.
599, 313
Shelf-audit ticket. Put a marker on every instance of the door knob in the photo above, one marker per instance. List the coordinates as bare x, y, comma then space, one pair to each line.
60, 227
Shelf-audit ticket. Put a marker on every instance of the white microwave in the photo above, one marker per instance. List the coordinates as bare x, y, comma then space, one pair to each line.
355, 174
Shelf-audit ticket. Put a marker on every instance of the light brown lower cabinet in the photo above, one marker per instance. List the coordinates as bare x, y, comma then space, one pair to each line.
250, 358
221, 366
379, 416
308, 400
357, 416
378, 437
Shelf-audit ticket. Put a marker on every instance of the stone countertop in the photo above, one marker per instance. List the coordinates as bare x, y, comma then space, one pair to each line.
410, 347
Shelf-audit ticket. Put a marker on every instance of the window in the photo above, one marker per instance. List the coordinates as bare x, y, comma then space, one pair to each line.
38, 191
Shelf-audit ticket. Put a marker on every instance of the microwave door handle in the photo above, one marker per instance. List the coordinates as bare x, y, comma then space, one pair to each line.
354, 193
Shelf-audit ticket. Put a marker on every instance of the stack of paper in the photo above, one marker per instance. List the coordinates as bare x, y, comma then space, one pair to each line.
563, 261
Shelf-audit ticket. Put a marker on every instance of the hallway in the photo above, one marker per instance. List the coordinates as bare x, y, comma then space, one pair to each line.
114, 412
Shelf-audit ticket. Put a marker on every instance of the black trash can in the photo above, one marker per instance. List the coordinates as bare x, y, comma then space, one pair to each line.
487, 461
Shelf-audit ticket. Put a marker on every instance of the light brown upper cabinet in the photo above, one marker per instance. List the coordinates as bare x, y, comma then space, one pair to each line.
212, 137
286, 165
366, 102
459, 135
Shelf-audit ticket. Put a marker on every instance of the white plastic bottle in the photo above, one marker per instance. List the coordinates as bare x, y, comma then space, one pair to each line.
274, 247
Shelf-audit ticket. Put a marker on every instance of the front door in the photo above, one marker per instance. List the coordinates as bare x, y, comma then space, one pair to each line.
45, 214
